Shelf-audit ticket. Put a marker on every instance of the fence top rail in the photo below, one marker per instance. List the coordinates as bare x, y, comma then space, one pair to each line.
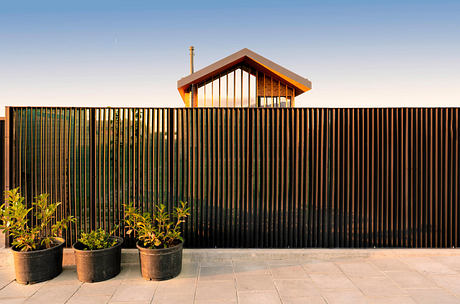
184, 108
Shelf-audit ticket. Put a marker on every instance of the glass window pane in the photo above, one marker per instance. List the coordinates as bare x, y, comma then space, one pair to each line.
200, 96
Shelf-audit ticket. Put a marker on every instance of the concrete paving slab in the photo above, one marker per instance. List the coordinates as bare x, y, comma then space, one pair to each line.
411, 280
216, 301
138, 290
87, 299
16, 290
364, 269
288, 271
251, 268
449, 282
189, 270
262, 282
181, 286
344, 297
215, 291
128, 272
321, 267
453, 262
6, 276
377, 286
67, 276
173, 298
283, 262
216, 262
13, 301
129, 302
435, 296
100, 288
216, 273
427, 265
390, 264
303, 300
305, 276
52, 294
296, 288
389, 299
266, 297
332, 281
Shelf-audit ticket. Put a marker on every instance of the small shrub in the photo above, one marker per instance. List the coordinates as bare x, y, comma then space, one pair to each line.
13, 219
162, 230
97, 239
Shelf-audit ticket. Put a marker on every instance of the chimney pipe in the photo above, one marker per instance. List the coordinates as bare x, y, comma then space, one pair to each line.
192, 103
191, 58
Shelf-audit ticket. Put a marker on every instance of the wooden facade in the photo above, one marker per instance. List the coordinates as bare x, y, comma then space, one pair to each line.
244, 79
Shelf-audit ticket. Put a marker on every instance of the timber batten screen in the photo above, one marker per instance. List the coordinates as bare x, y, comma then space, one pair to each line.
254, 177
243, 79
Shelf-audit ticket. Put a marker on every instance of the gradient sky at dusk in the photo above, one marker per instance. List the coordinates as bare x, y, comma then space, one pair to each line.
131, 53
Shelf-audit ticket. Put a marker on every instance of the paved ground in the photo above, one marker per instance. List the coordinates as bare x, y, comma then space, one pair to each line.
415, 279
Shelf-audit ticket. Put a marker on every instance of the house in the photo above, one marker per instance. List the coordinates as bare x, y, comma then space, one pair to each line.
243, 79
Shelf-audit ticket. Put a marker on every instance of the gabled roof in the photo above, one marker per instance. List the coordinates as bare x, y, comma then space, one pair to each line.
245, 55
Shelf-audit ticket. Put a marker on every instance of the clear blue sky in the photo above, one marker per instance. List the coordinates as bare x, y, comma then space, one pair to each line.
131, 53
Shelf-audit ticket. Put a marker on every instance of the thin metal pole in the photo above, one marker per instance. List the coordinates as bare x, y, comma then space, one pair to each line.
241, 76
192, 97
271, 91
279, 94
265, 97
249, 89
6, 163
257, 89
234, 88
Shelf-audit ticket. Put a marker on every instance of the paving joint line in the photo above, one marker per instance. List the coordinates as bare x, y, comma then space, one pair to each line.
79, 286
196, 281
7, 284
430, 279
154, 292
234, 281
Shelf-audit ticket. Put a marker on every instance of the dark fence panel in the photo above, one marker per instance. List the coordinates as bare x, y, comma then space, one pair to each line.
296, 177
2, 157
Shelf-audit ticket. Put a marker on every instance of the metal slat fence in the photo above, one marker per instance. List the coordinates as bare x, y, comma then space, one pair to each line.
2, 156
254, 177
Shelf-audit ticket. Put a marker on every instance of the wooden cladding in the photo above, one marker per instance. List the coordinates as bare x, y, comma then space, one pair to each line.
254, 177
243, 87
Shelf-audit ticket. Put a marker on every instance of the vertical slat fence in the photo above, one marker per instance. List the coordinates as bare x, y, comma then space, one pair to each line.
253, 177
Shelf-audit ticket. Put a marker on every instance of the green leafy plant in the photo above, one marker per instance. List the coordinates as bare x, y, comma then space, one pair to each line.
98, 239
160, 230
14, 220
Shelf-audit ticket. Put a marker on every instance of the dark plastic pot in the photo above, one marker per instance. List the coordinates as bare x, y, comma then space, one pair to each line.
39, 265
160, 264
98, 265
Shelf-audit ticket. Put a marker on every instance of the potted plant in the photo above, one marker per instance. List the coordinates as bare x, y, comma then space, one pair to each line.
159, 238
97, 255
37, 249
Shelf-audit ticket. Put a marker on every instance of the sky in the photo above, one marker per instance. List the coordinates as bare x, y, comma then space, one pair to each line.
132, 52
